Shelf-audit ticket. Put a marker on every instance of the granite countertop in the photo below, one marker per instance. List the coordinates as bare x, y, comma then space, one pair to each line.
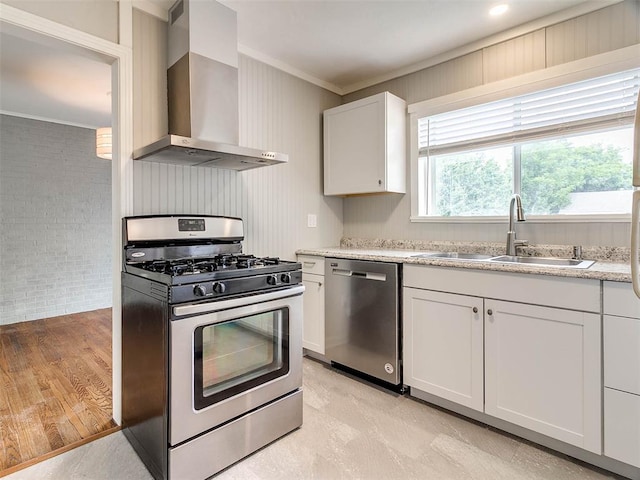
612, 263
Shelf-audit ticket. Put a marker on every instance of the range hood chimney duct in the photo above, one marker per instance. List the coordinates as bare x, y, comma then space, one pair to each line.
202, 85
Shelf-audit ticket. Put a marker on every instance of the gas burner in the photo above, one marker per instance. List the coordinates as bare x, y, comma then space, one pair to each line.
177, 268
156, 266
226, 260
205, 266
271, 261
246, 261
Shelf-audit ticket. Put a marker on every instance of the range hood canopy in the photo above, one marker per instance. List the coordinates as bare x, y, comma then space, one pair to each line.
202, 85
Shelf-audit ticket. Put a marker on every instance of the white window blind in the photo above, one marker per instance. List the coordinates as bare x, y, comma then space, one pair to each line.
596, 103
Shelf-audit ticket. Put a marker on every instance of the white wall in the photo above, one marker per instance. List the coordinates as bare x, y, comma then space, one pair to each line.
97, 17
55, 221
387, 216
277, 112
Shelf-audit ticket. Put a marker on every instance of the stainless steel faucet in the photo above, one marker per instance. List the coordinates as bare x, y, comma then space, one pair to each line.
512, 243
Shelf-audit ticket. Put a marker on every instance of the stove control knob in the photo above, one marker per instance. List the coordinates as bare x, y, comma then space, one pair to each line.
272, 280
285, 278
199, 291
219, 287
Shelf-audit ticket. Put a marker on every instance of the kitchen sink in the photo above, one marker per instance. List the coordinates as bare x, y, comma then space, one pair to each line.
455, 256
534, 261
544, 262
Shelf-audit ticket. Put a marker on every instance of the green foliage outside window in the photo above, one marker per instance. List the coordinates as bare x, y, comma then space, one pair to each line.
473, 184
551, 171
478, 185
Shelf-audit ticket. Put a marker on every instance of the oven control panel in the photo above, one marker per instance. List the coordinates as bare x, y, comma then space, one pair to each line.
215, 290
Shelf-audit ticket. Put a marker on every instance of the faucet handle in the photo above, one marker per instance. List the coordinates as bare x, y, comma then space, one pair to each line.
519, 243
577, 252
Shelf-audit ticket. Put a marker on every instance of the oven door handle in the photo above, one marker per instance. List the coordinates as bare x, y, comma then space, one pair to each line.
208, 307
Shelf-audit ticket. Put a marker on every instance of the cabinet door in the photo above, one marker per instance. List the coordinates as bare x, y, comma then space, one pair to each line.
354, 142
443, 345
543, 371
313, 312
622, 426
622, 353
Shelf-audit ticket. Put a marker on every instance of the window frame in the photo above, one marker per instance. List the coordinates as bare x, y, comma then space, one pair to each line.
584, 69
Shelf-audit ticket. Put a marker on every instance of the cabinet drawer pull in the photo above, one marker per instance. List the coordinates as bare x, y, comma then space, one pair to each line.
475, 309
489, 312
309, 264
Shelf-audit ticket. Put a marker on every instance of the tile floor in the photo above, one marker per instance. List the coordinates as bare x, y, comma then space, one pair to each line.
351, 430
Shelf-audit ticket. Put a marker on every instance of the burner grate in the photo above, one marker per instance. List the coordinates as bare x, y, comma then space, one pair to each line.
192, 266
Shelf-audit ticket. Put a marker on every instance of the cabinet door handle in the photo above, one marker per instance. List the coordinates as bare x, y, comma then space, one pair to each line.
489, 312
475, 309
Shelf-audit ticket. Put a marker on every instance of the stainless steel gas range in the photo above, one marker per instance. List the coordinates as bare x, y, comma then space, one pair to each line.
211, 344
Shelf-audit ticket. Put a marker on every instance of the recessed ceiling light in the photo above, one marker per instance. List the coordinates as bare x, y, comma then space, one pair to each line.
498, 9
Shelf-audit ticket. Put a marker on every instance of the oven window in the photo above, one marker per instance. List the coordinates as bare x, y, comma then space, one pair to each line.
240, 354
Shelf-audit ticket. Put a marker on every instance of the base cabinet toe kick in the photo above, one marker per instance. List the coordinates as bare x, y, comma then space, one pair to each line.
505, 350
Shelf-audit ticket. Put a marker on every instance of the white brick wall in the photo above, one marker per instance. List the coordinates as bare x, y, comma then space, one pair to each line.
55, 221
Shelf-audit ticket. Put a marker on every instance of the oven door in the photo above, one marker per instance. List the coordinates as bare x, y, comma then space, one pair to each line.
231, 356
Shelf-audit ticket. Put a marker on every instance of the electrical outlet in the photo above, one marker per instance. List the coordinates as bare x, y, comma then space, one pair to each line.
312, 220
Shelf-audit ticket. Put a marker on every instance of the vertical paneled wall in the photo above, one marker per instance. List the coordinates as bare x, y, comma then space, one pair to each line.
597, 32
517, 56
277, 112
387, 216
55, 221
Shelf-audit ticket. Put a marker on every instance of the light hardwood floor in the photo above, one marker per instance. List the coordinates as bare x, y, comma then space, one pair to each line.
55, 379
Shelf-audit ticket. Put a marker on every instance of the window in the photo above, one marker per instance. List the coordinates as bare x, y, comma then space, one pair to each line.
565, 150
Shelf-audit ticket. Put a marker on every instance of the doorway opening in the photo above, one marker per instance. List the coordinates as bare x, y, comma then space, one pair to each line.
60, 253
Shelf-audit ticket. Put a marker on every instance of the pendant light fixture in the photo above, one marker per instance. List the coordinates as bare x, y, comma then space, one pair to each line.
103, 143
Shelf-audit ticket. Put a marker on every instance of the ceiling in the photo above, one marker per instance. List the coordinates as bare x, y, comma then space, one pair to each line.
44, 82
347, 43
341, 45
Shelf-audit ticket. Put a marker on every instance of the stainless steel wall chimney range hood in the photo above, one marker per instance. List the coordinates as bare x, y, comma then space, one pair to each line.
202, 84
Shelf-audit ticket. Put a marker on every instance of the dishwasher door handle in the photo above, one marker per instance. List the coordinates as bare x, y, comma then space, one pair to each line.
381, 277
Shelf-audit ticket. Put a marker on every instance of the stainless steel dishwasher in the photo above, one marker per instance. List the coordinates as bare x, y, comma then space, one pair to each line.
362, 317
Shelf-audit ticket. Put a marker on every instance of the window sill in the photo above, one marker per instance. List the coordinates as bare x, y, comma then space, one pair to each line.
615, 218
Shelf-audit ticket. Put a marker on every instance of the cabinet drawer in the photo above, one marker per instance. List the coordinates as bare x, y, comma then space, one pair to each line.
562, 292
622, 426
619, 299
622, 353
312, 264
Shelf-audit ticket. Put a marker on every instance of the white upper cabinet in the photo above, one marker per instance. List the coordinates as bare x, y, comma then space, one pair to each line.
365, 146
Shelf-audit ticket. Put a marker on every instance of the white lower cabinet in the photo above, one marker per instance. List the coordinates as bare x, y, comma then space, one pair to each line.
622, 426
621, 373
313, 303
313, 311
542, 371
443, 345
521, 348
